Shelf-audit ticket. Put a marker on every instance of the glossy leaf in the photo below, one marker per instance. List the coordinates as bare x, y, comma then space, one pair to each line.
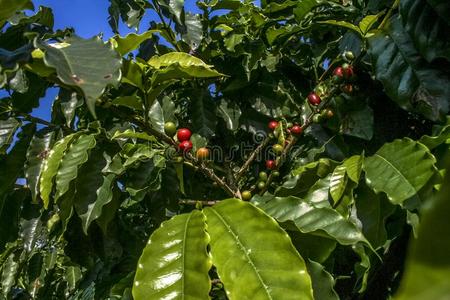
427, 29
338, 182
89, 65
322, 282
175, 263
400, 169
414, 85
9, 273
7, 129
254, 257
434, 141
76, 155
310, 219
131, 41
93, 190
51, 165
129, 133
36, 154
11, 166
428, 264
353, 166
372, 210
156, 117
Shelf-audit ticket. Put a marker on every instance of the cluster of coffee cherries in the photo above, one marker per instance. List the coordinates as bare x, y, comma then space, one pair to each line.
271, 164
184, 140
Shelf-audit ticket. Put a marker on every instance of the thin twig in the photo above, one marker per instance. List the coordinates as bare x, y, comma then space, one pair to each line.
37, 120
252, 157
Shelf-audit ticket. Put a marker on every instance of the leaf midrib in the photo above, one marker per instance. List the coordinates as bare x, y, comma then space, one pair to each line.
241, 246
396, 169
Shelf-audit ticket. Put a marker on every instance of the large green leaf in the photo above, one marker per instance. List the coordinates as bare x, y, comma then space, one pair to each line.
322, 282
131, 41
400, 169
7, 129
179, 65
11, 166
93, 190
406, 77
193, 30
9, 7
428, 31
51, 166
372, 211
90, 65
203, 114
36, 154
255, 258
310, 219
175, 262
76, 155
427, 269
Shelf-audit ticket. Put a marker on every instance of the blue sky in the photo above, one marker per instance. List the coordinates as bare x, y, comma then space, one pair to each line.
88, 18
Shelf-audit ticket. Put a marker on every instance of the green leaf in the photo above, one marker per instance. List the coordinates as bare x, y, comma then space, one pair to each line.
373, 210
304, 7
182, 59
131, 41
343, 24
130, 133
338, 182
69, 102
89, 65
367, 22
9, 7
72, 276
193, 30
134, 102
322, 282
255, 258
353, 167
358, 123
37, 151
93, 190
11, 166
428, 264
204, 118
428, 31
434, 141
230, 113
442, 7
51, 165
156, 117
406, 77
400, 169
310, 219
7, 130
10, 208
76, 155
9, 273
175, 262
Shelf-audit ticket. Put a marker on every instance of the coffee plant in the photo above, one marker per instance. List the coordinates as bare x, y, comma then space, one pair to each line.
274, 150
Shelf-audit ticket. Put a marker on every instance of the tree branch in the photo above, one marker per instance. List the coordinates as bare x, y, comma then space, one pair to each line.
195, 202
252, 157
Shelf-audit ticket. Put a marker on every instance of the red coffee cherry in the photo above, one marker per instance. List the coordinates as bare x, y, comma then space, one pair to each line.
270, 164
185, 146
273, 124
314, 99
297, 129
183, 134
